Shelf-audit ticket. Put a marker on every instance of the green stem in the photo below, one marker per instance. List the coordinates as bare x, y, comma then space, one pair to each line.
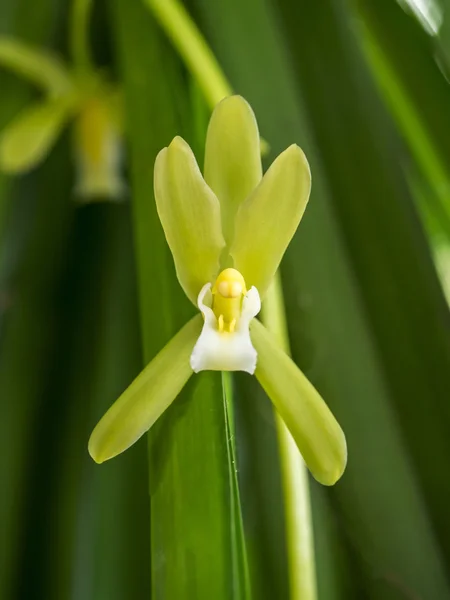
192, 46
299, 528
79, 40
195, 52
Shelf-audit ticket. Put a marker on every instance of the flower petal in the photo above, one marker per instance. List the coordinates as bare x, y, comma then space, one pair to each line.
316, 432
44, 69
190, 215
224, 351
232, 157
269, 217
28, 138
150, 394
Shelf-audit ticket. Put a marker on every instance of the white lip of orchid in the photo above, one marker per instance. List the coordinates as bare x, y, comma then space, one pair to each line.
218, 349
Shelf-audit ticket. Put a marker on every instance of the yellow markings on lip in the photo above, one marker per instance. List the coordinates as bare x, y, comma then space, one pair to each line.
228, 291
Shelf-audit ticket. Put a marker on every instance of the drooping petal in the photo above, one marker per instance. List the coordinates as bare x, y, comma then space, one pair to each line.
150, 394
42, 68
221, 350
316, 432
190, 215
269, 217
98, 153
232, 157
28, 138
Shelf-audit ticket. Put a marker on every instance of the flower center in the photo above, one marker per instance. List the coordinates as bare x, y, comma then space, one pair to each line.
228, 292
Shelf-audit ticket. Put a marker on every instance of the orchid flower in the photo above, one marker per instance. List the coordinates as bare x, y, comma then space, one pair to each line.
227, 232
82, 96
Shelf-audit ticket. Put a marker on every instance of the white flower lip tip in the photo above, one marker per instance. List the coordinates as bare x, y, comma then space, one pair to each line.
224, 351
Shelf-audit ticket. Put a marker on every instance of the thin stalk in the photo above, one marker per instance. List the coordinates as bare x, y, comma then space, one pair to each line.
195, 52
79, 35
192, 46
299, 527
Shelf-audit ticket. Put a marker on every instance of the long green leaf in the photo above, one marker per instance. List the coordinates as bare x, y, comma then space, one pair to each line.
28, 352
393, 42
390, 531
407, 311
97, 534
192, 523
26, 323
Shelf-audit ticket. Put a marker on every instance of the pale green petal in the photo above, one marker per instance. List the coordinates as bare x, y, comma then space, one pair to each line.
190, 215
232, 157
316, 432
28, 138
267, 220
42, 68
150, 394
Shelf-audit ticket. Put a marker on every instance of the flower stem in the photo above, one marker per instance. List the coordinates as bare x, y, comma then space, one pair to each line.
195, 52
299, 530
79, 40
192, 46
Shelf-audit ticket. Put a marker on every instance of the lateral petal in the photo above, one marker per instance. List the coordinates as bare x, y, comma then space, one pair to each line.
190, 215
269, 217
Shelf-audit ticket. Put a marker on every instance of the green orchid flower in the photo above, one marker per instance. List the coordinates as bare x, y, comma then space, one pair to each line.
227, 233
80, 95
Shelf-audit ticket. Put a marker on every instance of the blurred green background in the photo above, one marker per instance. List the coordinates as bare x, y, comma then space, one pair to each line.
88, 295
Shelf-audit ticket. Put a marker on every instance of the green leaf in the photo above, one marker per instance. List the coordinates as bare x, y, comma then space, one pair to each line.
27, 324
232, 157
32, 63
150, 394
310, 421
28, 138
102, 552
418, 101
267, 220
32, 265
378, 503
190, 215
193, 524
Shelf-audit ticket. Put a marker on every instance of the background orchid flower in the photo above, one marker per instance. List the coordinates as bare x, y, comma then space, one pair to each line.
80, 95
227, 233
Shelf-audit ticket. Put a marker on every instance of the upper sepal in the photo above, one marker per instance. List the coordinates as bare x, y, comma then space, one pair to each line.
232, 157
